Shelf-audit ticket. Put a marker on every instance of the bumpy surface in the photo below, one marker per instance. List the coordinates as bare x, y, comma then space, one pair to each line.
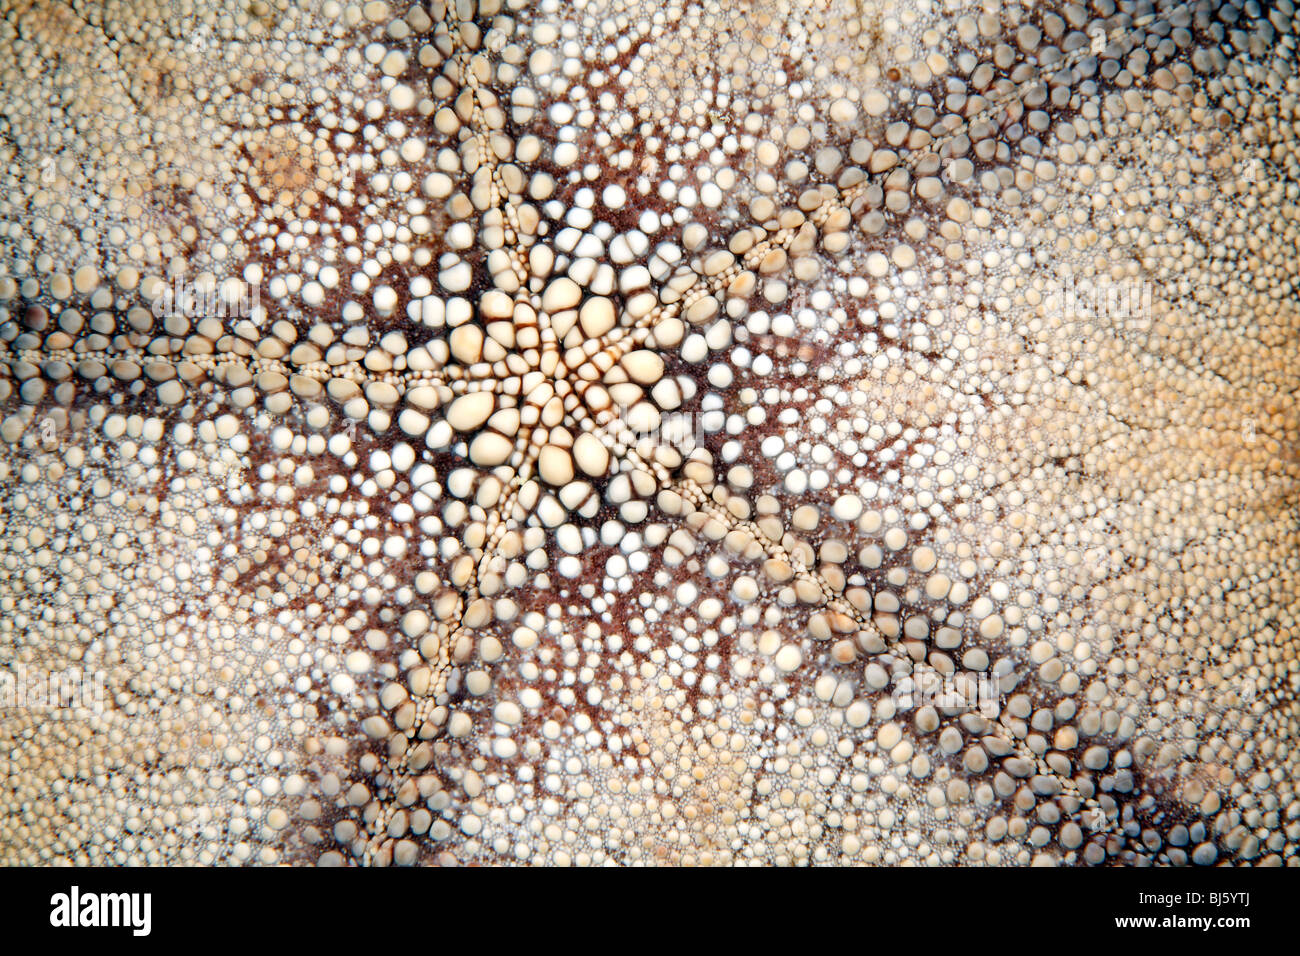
590, 433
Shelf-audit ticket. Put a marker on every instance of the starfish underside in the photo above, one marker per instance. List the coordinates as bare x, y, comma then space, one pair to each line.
631, 432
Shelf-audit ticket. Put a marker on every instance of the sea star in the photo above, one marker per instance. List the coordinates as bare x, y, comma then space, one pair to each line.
651, 432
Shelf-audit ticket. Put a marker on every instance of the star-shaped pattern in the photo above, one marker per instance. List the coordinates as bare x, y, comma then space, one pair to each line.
678, 433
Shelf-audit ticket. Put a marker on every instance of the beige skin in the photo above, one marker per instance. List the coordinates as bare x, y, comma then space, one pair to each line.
655, 435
